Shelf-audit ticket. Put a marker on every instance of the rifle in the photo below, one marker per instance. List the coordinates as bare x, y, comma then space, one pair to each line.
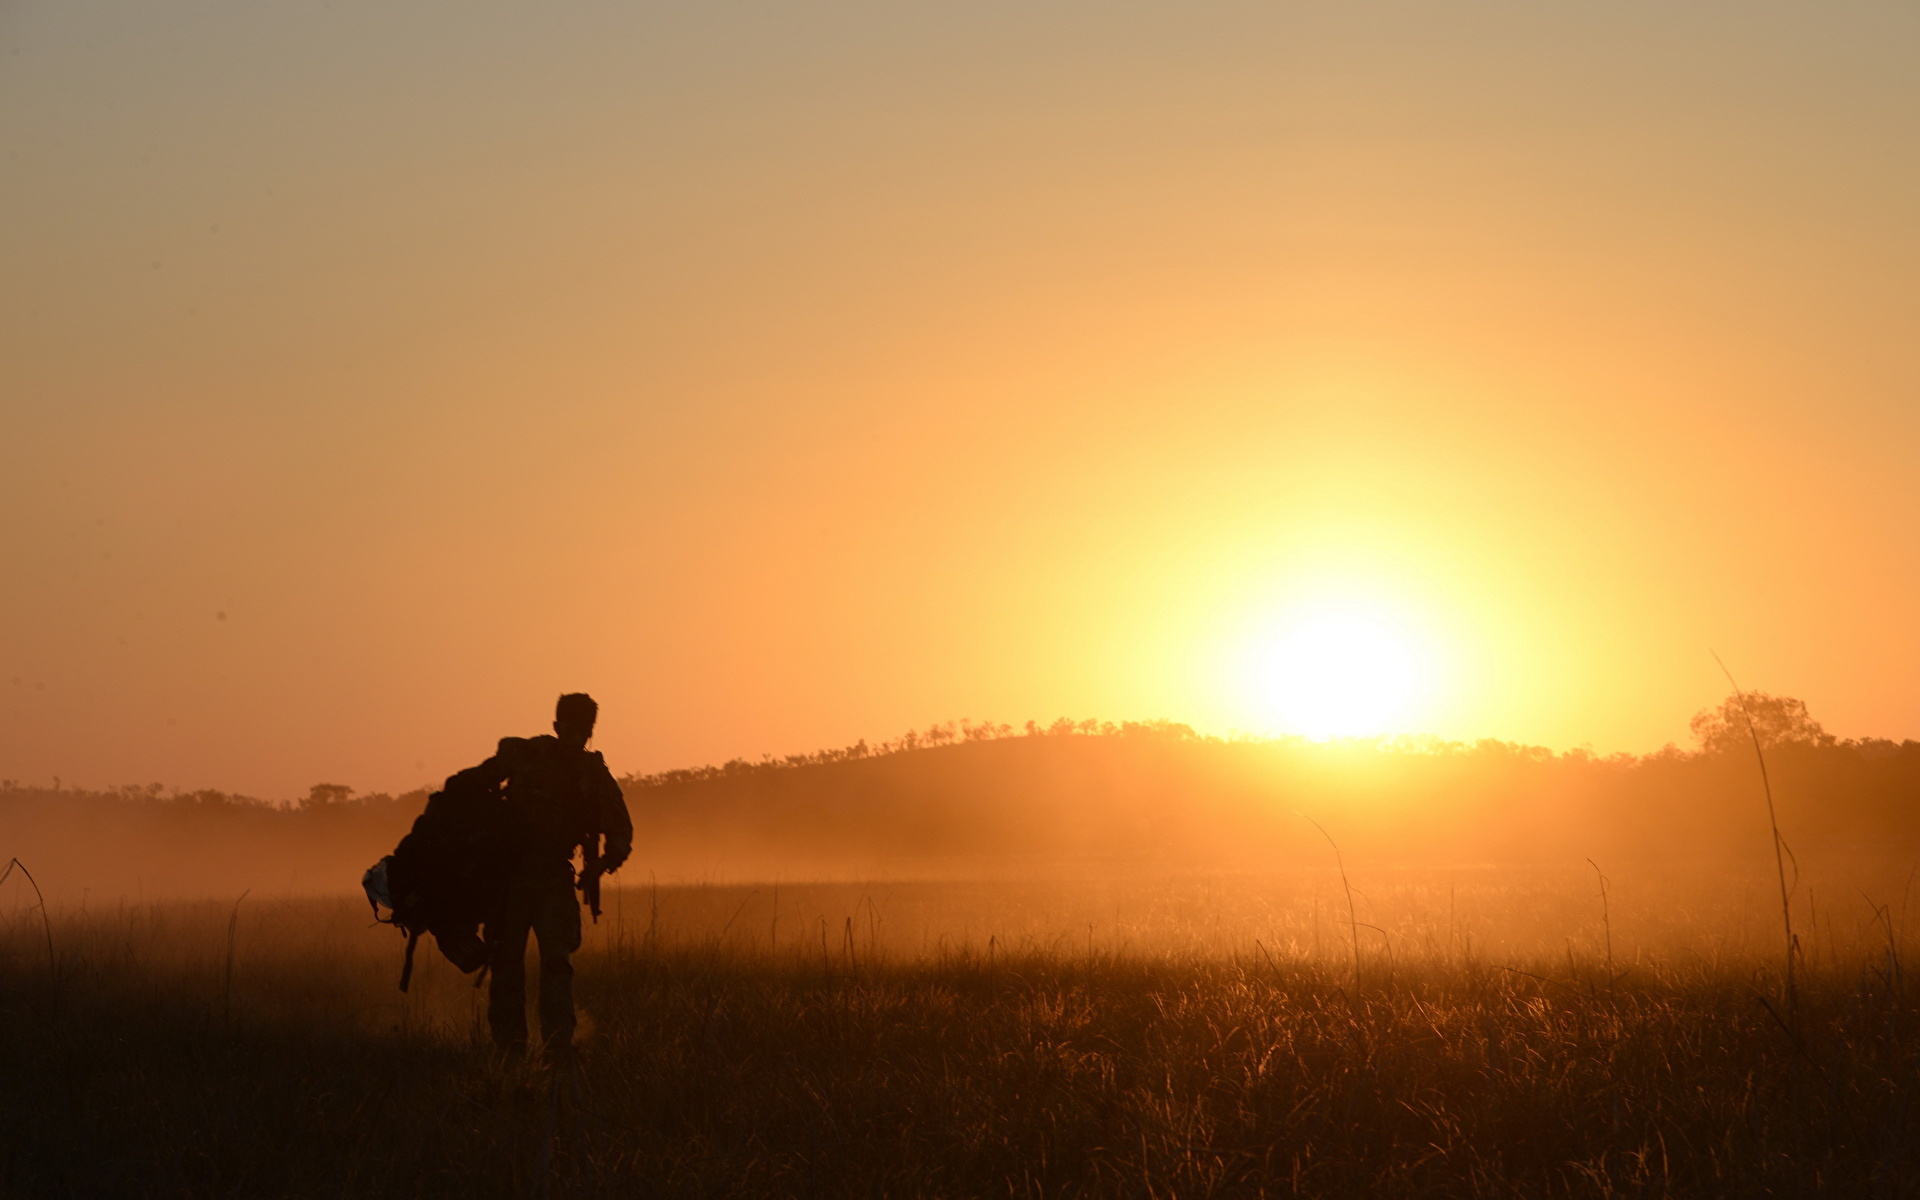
590, 874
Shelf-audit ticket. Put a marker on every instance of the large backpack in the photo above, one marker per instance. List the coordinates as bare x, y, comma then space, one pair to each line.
448, 875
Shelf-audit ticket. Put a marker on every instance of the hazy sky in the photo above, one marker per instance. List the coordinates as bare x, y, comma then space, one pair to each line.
789, 374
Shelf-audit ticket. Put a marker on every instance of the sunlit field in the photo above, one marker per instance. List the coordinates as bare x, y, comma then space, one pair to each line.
1454, 1033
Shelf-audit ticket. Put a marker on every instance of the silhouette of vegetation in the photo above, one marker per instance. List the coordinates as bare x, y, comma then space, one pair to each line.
966, 797
1775, 721
962, 731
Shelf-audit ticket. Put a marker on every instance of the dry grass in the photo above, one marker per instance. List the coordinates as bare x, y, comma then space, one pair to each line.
1184, 1038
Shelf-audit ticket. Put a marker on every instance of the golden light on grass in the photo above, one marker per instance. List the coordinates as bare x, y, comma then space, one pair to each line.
1338, 668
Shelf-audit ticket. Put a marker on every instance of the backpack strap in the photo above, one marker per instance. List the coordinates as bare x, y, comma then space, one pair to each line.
406, 970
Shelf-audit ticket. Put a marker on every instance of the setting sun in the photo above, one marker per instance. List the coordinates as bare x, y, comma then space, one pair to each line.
1337, 672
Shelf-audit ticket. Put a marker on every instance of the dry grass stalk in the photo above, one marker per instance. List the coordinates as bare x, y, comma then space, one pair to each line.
1353, 916
1780, 850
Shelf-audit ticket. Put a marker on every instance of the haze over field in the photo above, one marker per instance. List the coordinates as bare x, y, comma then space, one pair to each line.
1388, 529
785, 377
1087, 805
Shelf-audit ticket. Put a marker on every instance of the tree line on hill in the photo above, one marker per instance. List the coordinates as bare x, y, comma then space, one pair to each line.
965, 798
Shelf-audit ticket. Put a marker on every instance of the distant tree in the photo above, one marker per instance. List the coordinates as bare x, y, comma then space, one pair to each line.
321, 795
1157, 729
1778, 720
984, 732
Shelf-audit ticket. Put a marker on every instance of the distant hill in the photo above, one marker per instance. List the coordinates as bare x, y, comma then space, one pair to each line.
1157, 796
986, 801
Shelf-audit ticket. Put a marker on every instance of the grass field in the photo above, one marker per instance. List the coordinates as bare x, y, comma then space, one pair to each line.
1496, 1034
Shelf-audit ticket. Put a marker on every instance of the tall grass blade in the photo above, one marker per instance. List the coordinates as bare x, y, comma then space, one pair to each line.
1353, 916
1780, 851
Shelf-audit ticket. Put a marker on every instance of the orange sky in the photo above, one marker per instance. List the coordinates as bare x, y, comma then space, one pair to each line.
786, 375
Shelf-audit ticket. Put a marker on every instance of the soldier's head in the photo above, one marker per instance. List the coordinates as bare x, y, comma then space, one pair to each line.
573, 719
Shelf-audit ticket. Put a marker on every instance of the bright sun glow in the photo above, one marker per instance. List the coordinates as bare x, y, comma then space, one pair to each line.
1337, 672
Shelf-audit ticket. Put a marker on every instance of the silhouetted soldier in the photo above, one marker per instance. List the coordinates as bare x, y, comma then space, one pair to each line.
562, 797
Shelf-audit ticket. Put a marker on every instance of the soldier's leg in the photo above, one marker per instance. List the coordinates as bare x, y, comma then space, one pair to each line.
507, 959
557, 925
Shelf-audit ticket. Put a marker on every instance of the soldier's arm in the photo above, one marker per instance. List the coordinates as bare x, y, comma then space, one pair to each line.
615, 822
498, 769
